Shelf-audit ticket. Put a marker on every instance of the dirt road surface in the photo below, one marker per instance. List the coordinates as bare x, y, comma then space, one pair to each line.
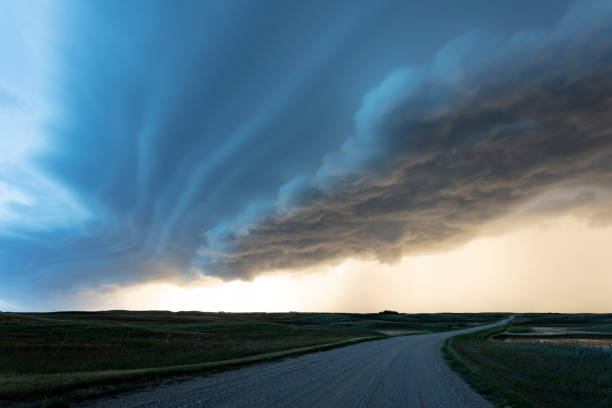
404, 371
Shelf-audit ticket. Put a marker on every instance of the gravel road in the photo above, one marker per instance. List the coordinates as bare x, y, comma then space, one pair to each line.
396, 372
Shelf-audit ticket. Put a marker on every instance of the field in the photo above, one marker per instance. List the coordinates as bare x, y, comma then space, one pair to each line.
47, 354
541, 360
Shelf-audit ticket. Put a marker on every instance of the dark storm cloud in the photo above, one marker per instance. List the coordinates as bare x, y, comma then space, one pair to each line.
183, 138
442, 149
166, 113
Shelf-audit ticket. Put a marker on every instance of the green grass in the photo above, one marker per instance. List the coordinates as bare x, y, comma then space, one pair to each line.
536, 374
520, 329
41, 384
47, 354
600, 321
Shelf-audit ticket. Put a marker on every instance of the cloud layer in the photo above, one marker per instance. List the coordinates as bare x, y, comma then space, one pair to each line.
442, 149
143, 141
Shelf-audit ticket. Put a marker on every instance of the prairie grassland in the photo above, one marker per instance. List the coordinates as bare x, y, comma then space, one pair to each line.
542, 374
47, 353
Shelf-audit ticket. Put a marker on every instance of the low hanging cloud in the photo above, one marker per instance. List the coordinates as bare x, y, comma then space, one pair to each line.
151, 143
158, 124
441, 150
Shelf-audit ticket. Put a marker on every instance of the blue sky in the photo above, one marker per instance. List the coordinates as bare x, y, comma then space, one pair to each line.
152, 140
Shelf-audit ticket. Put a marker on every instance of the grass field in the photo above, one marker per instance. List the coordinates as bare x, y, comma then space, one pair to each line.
44, 354
537, 372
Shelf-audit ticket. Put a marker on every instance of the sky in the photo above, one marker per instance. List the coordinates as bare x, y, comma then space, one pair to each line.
338, 155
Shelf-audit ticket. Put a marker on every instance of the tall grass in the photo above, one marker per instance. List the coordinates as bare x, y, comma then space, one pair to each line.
534, 374
51, 352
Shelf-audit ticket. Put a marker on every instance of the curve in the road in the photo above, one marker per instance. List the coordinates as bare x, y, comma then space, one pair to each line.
396, 372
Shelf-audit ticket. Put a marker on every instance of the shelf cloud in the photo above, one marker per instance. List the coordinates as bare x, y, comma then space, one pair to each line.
442, 149
154, 142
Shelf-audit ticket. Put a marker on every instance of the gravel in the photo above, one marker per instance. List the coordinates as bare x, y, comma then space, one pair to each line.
396, 372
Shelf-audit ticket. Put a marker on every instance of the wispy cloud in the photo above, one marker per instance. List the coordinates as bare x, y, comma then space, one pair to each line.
230, 138
8, 99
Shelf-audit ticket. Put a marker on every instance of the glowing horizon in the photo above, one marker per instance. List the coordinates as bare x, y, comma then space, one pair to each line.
480, 276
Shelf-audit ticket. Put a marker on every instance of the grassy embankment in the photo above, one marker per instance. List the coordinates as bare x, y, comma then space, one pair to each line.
47, 354
537, 371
